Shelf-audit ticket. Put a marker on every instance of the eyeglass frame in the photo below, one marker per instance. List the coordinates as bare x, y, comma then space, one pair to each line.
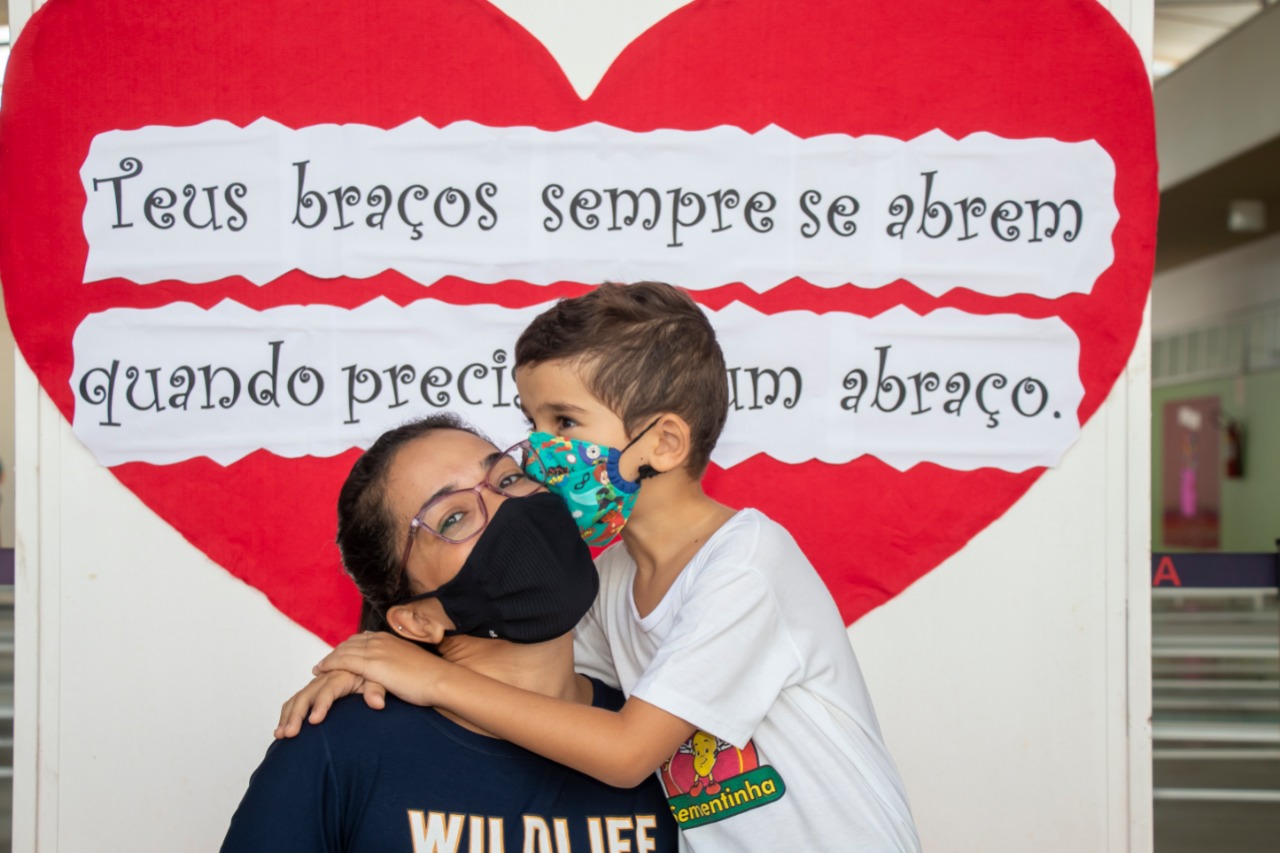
416, 523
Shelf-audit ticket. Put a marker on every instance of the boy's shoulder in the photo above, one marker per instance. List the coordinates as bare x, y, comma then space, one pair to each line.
752, 536
748, 538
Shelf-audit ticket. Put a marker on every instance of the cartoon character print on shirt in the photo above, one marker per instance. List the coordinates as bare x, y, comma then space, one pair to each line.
709, 779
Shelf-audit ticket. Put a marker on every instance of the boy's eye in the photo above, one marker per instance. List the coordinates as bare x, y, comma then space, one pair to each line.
563, 423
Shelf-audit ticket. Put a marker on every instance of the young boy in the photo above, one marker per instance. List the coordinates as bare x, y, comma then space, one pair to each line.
742, 688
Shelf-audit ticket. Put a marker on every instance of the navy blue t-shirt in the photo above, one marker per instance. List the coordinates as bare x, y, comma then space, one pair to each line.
406, 778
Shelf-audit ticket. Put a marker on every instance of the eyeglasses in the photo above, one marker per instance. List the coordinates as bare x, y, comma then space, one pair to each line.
461, 515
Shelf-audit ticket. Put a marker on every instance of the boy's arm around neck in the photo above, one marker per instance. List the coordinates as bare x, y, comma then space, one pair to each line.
619, 748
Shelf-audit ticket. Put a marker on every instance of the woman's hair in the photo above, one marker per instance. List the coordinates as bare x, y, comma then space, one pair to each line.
369, 537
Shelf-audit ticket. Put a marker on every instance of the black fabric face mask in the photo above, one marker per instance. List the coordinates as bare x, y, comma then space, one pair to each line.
529, 578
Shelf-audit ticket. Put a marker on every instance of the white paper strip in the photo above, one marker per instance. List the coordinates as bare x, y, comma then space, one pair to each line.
961, 390
595, 203
165, 384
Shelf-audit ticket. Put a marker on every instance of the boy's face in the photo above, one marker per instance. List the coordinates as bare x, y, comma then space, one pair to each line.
555, 400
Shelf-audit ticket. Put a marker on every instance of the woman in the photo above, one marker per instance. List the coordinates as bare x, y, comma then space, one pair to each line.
451, 545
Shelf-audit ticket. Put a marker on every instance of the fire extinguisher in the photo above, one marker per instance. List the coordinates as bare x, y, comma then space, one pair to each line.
1235, 450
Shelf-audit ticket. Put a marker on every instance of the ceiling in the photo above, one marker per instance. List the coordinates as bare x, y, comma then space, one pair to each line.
1193, 213
1183, 28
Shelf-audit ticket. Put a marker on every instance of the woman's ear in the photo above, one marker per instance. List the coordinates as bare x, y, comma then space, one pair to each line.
421, 621
669, 443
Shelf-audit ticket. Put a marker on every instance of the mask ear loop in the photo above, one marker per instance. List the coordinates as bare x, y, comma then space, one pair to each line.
646, 470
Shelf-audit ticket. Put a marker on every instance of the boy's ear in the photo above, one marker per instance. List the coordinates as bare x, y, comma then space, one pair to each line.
670, 441
421, 621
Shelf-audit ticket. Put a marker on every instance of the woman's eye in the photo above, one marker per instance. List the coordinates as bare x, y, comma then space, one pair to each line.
511, 479
451, 520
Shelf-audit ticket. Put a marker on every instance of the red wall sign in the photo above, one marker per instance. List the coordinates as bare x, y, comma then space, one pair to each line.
1061, 70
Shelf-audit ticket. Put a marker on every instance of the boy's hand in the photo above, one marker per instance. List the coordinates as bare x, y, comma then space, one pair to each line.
313, 702
402, 668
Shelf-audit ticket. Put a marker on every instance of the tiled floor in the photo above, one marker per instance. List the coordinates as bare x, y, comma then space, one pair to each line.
1187, 827
1216, 668
1200, 827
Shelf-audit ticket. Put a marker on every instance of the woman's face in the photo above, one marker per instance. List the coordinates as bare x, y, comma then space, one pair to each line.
441, 461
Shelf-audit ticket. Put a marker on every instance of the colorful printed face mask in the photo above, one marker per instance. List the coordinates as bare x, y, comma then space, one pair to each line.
585, 475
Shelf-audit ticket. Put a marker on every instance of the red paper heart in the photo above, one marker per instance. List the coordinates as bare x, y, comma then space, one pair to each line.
1061, 69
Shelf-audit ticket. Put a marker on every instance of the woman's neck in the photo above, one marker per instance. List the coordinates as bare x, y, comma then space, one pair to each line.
545, 668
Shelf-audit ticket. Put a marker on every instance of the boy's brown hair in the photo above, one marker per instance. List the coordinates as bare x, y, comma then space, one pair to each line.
642, 349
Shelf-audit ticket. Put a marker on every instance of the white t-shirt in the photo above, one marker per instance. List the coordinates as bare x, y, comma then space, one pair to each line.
749, 647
